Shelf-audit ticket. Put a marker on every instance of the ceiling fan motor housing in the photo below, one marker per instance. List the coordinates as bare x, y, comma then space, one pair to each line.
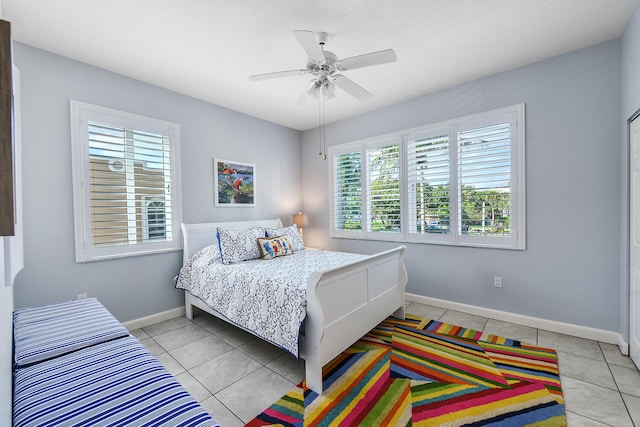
322, 38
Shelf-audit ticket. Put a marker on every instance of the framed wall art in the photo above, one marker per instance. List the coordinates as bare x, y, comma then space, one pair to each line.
234, 183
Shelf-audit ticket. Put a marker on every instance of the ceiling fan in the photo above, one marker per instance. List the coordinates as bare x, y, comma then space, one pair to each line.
326, 67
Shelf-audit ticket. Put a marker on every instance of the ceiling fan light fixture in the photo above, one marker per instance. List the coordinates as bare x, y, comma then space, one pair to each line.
313, 90
324, 87
328, 89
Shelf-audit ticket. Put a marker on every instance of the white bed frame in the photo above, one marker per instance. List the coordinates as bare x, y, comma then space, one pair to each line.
343, 304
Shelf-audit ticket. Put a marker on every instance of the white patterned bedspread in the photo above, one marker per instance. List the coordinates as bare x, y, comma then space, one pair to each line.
267, 297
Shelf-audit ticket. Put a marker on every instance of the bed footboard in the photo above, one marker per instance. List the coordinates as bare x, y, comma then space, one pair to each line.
345, 303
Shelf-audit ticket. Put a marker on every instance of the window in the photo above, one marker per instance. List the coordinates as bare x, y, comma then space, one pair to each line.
155, 225
379, 204
347, 191
125, 170
383, 187
463, 182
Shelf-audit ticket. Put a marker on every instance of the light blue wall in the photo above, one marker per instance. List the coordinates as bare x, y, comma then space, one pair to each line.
140, 286
570, 271
630, 101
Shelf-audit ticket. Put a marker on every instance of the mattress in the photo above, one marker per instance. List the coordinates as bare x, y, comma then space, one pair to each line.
115, 383
267, 297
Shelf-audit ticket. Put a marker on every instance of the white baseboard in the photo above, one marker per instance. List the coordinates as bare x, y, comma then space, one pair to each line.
154, 318
609, 337
623, 345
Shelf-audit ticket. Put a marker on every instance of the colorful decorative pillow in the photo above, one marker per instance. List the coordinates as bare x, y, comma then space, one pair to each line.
275, 247
291, 232
239, 245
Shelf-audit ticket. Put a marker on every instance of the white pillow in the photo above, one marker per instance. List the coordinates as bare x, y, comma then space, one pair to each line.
239, 245
291, 232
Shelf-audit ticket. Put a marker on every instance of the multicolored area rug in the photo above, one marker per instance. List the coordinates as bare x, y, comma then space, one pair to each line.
427, 373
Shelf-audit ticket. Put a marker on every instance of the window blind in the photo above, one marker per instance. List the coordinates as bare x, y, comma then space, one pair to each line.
484, 176
127, 167
428, 180
347, 172
383, 184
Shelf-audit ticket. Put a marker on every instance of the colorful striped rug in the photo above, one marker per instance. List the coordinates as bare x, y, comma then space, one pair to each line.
426, 373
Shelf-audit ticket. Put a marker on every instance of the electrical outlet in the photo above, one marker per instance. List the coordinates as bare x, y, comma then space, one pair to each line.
81, 296
497, 282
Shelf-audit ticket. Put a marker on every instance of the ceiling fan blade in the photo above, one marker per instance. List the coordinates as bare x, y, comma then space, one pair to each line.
351, 87
368, 59
307, 40
277, 74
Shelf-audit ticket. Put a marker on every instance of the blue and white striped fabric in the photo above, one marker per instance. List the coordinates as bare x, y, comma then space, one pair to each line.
116, 383
41, 333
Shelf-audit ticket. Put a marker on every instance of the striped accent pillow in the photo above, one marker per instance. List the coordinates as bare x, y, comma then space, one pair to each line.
40, 333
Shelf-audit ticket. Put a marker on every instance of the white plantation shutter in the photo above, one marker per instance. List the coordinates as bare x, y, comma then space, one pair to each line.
428, 182
490, 173
457, 182
125, 191
383, 186
347, 191
484, 165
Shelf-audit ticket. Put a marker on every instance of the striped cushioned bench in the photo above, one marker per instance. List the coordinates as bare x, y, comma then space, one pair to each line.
40, 333
75, 367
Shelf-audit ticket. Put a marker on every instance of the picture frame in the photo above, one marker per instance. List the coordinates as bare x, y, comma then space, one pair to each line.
234, 183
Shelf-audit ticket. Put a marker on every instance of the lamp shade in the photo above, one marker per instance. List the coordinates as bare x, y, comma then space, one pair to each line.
300, 220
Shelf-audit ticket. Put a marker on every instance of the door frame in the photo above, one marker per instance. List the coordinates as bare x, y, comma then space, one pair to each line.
628, 273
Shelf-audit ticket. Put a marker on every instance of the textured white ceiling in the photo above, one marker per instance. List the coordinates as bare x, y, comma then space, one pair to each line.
208, 48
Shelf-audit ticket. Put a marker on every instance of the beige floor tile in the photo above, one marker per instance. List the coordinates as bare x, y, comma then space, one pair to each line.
613, 356
166, 326
628, 380
575, 420
219, 373
595, 402
422, 310
140, 334
465, 320
153, 347
221, 413
271, 385
197, 352
520, 333
210, 322
195, 389
633, 406
261, 351
170, 364
287, 366
585, 369
236, 336
180, 337
570, 344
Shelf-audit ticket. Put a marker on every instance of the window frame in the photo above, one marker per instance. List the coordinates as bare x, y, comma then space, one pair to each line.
514, 115
362, 147
81, 113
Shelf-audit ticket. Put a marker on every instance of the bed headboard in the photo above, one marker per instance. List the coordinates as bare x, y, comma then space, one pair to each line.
198, 236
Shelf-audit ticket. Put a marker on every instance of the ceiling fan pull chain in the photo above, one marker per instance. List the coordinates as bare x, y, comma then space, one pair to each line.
321, 129
324, 134
320, 121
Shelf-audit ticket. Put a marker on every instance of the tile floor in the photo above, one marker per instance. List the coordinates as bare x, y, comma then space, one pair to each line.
220, 365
